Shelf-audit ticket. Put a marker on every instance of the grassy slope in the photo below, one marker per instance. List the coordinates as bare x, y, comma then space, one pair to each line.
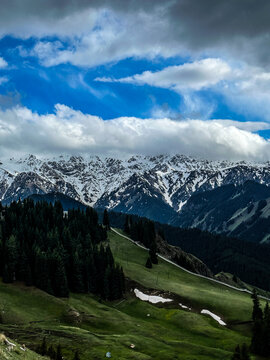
231, 305
16, 353
95, 327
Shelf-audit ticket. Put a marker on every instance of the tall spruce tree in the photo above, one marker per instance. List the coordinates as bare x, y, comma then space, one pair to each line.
76, 355
106, 220
148, 263
241, 353
257, 313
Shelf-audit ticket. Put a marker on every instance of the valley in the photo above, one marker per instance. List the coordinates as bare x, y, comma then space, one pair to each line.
96, 326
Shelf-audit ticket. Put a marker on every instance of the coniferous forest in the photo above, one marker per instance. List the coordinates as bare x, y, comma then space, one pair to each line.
57, 252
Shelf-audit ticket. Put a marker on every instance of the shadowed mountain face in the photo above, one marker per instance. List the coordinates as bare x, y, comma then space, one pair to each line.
242, 211
157, 187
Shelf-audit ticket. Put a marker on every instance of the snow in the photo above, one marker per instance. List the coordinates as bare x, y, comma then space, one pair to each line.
93, 176
151, 298
184, 306
214, 316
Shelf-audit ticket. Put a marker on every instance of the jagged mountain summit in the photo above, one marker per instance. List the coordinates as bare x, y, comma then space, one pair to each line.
152, 186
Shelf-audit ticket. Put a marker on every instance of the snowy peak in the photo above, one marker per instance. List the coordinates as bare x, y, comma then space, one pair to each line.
138, 184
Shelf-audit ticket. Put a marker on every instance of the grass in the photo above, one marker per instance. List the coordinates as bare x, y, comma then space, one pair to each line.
199, 293
16, 352
94, 326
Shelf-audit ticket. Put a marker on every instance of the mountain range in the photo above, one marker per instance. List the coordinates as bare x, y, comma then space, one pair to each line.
124, 184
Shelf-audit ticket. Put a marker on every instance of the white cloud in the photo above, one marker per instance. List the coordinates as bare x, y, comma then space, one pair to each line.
108, 39
68, 130
189, 76
3, 63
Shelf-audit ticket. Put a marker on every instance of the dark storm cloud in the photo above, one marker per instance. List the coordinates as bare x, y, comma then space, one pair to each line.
237, 28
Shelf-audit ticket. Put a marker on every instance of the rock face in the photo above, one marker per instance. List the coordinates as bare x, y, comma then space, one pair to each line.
236, 210
156, 187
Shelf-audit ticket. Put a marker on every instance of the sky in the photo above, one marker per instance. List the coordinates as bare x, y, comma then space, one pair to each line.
135, 77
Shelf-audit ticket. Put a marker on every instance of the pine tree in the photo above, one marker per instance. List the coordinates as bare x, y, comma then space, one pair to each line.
76, 355
257, 342
148, 263
106, 220
51, 352
127, 225
59, 353
60, 279
43, 347
257, 311
245, 352
11, 258
153, 256
266, 331
241, 353
237, 353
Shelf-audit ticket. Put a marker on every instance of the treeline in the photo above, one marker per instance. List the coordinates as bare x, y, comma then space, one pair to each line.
143, 230
247, 260
57, 252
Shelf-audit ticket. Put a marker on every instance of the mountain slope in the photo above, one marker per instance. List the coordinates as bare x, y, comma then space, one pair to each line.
242, 211
9, 350
156, 187
95, 327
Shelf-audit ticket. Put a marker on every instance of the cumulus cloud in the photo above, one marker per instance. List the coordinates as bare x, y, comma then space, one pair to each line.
68, 130
189, 76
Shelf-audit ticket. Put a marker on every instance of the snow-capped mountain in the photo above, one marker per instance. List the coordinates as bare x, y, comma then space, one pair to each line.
156, 186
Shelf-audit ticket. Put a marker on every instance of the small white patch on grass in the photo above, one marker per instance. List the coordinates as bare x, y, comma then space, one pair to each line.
214, 316
151, 298
184, 306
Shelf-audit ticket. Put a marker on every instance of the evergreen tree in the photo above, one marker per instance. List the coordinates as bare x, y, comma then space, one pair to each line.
11, 258
43, 347
60, 279
76, 355
241, 353
148, 263
245, 352
51, 352
127, 225
257, 311
106, 220
153, 256
237, 353
59, 353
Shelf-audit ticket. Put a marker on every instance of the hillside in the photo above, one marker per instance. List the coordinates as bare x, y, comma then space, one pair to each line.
247, 260
242, 211
10, 350
94, 326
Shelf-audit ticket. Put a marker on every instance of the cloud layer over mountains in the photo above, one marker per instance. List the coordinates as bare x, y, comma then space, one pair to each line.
70, 131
